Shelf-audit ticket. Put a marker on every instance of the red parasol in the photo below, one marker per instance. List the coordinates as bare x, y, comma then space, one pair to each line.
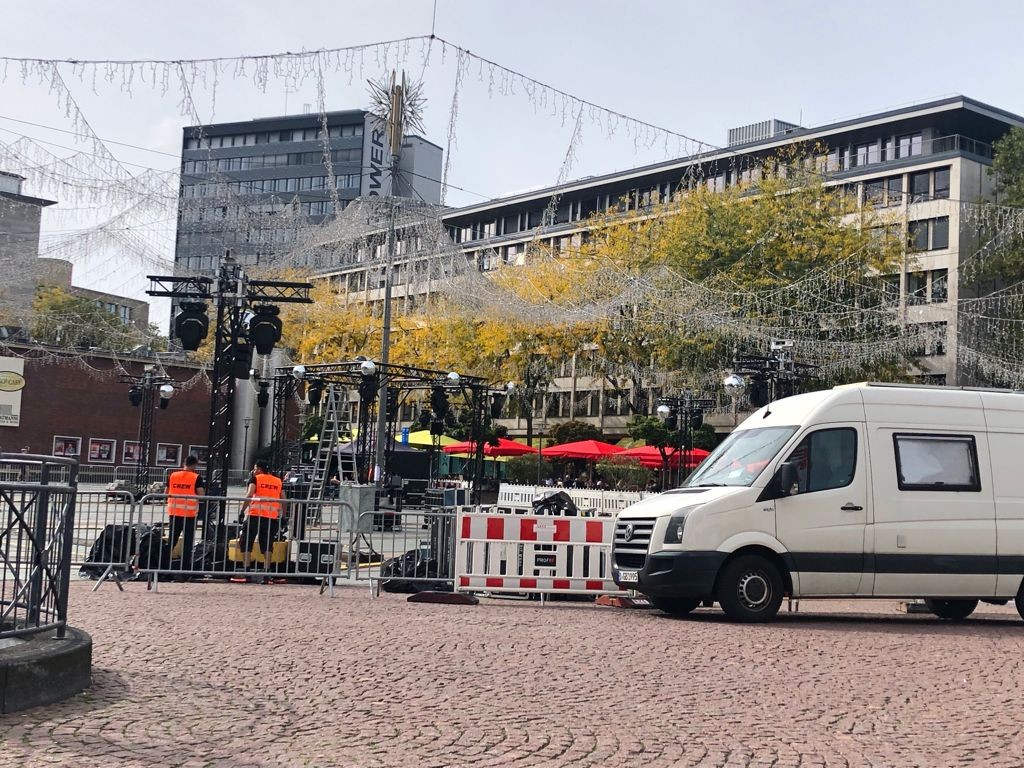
503, 448
650, 456
582, 449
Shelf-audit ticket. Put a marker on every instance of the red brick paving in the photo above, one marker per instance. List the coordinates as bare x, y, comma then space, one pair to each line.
243, 675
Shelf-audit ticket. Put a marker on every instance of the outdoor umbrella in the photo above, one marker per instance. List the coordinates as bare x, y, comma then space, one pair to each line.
423, 439
503, 448
650, 457
592, 450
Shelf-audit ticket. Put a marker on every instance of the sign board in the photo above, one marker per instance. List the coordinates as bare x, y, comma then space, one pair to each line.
405, 435
376, 165
545, 560
12, 382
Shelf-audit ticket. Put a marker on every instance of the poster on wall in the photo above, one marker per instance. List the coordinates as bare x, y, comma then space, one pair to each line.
131, 452
168, 454
67, 446
201, 452
12, 382
102, 450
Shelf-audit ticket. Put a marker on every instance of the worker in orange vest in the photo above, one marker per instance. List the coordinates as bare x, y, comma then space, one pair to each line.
183, 488
264, 505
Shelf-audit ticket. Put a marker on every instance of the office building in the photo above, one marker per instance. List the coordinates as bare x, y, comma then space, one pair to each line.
918, 162
253, 187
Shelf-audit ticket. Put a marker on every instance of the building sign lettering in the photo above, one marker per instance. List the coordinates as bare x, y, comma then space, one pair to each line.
12, 382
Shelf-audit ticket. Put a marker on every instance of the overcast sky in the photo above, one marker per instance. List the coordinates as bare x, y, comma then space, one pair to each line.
696, 68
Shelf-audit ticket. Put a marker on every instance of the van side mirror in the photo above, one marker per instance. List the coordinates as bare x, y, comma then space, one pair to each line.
785, 478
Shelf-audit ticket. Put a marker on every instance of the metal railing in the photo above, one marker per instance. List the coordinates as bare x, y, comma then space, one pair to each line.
405, 552
38, 495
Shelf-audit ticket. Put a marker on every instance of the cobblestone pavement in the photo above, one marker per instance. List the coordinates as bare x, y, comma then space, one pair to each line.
245, 675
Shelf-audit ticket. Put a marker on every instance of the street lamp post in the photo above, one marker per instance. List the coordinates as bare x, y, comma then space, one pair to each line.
687, 410
247, 422
142, 393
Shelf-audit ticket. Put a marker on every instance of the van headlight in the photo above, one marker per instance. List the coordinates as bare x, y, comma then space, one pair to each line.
674, 532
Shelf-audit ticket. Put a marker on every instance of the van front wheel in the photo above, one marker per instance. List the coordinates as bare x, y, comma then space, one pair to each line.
954, 610
750, 589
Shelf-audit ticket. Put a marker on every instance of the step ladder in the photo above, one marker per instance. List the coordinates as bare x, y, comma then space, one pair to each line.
336, 414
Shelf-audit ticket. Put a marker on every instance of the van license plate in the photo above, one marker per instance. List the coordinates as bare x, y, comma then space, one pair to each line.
628, 577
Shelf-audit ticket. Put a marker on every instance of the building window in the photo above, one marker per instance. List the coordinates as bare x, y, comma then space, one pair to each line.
919, 186
874, 193
894, 190
917, 236
940, 233
917, 287
941, 184
909, 145
940, 286
928, 234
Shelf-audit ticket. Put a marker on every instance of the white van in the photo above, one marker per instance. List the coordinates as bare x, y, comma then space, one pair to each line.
865, 490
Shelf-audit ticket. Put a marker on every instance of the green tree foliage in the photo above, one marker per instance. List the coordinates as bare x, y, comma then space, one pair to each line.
705, 437
1008, 168
573, 431
65, 320
624, 473
522, 470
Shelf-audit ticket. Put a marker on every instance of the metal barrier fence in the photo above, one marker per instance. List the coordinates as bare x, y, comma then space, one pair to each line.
519, 498
307, 540
540, 554
36, 525
405, 552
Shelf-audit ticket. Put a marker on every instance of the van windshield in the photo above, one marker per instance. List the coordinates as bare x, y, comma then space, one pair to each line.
741, 457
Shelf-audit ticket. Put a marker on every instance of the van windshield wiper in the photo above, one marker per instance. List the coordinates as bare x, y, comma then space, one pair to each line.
709, 485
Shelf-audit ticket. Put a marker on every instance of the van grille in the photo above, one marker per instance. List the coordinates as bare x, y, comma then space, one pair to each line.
633, 553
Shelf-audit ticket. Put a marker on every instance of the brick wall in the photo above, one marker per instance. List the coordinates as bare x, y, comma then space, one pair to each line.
62, 397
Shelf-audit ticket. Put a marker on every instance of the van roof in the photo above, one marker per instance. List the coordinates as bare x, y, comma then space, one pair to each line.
934, 387
846, 403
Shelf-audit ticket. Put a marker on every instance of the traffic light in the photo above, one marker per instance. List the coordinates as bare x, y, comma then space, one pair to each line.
436, 426
696, 419
263, 396
135, 396
424, 419
265, 328
191, 325
672, 421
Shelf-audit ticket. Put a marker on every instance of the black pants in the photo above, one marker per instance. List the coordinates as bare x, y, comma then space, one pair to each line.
186, 526
261, 529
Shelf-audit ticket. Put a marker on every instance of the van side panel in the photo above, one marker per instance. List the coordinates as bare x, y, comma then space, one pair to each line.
1004, 413
929, 543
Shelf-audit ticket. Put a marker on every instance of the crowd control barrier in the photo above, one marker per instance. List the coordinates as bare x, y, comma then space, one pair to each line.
409, 551
310, 540
105, 535
518, 499
502, 553
37, 518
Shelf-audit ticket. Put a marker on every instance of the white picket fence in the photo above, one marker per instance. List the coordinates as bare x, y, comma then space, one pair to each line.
520, 498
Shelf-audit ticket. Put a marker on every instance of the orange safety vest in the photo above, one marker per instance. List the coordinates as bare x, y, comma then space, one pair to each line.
268, 487
180, 487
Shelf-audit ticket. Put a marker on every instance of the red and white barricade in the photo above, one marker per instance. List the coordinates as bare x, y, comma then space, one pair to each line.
534, 553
